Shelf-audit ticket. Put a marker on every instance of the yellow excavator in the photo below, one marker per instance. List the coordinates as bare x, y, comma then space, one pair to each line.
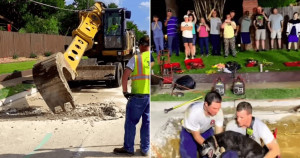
103, 37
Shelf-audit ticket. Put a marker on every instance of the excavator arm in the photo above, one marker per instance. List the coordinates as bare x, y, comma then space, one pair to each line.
51, 75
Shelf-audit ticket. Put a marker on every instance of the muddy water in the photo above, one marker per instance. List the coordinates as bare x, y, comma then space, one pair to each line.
288, 137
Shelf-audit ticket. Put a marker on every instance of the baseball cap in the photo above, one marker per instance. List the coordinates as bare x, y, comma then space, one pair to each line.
185, 16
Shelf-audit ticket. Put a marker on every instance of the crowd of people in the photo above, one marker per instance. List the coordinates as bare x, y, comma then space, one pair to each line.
232, 30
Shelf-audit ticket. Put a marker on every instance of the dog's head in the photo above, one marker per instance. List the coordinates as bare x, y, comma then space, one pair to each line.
210, 148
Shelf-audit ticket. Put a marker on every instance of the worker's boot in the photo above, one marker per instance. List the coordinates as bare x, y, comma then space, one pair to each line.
122, 151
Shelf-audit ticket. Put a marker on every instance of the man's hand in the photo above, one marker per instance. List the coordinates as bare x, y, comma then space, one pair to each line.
127, 95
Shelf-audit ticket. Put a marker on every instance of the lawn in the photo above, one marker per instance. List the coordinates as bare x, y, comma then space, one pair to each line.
272, 93
9, 91
18, 66
278, 57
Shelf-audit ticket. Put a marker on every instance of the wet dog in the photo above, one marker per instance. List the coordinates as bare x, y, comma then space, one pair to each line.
245, 147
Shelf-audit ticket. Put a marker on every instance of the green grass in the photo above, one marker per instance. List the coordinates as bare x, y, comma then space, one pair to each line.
272, 93
278, 57
9, 91
18, 66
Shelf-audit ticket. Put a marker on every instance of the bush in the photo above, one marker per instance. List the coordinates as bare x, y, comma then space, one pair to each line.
32, 55
275, 3
15, 56
47, 54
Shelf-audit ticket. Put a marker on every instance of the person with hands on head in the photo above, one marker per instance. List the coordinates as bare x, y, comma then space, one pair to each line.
198, 123
215, 27
138, 69
187, 37
193, 19
158, 36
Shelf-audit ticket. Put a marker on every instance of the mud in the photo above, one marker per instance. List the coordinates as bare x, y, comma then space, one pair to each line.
166, 142
100, 111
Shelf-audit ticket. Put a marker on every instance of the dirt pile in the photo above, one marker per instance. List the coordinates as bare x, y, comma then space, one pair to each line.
102, 111
166, 141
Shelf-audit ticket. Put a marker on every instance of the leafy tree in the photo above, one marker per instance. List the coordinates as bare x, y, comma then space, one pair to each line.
27, 16
138, 33
83, 4
276, 3
112, 5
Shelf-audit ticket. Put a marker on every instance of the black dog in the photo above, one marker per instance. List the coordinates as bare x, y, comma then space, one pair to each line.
244, 146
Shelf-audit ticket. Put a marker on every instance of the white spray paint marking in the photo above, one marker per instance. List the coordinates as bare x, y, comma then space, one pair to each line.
78, 153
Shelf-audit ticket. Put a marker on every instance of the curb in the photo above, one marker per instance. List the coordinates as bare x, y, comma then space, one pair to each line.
17, 96
233, 104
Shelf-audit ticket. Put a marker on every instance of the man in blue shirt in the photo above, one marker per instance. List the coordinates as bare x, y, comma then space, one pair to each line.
171, 24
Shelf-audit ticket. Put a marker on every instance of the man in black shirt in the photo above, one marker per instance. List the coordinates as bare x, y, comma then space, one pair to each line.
260, 28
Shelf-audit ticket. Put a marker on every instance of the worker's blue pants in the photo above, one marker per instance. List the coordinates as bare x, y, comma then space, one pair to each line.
188, 145
137, 107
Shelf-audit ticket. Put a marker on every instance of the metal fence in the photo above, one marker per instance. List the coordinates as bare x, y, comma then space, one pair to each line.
14, 43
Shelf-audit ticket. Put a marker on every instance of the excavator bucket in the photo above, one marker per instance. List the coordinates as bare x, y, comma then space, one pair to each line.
50, 77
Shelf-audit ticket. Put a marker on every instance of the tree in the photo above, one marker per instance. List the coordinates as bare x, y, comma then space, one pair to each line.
276, 3
28, 16
112, 5
204, 7
83, 4
138, 33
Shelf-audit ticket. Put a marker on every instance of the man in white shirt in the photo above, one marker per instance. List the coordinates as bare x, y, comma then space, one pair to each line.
198, 122
254, 128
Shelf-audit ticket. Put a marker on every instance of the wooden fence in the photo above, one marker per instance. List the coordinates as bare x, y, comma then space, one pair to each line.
14, 43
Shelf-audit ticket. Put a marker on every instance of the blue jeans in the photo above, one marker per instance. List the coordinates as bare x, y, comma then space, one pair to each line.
159, 43
203, 42
216, 45
173, 43
137, 107
188, 145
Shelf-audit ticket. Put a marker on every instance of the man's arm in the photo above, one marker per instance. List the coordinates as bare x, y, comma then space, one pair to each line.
269, 26
254, 22
195, 18
219, 129
198, 138
273, 149
281, 23
125, 77
233, 25
209, 16
166, 22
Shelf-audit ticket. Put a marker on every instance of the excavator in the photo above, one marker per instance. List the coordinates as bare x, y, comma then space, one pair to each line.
103, 37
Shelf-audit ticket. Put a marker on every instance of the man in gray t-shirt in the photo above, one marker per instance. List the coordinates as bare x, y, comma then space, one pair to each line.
275, 26
245, 23
254, 128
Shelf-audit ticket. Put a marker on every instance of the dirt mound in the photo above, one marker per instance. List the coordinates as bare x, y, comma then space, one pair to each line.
166, 141
102, 111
